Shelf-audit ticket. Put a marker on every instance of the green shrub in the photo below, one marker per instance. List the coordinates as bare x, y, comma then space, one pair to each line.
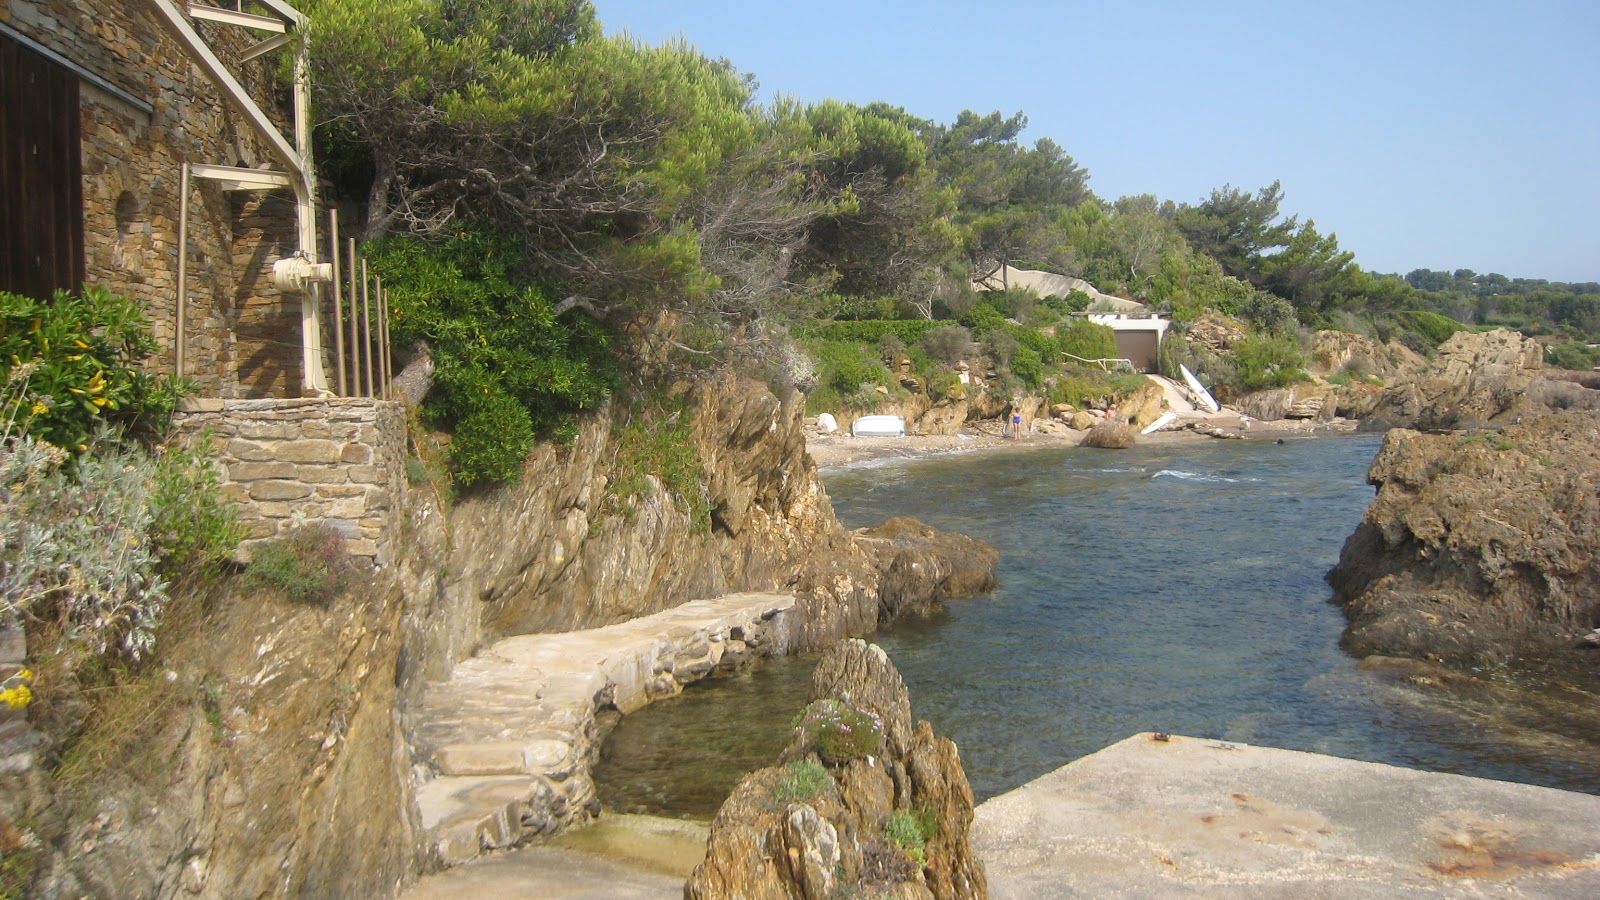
949, 344
1084, 339
910, 832
839, 732
308, 564
74, 365
983, 319
1268, 362
92, 547
497, 344
195, 527
1027, 366
1571, 355
846, 366
869, 331
1433, 328
803, 780
492, 438
658, 441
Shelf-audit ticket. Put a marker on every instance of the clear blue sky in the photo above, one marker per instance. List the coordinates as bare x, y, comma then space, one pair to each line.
1436, 135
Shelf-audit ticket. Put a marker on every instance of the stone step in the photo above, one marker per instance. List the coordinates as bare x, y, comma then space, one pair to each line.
509, 738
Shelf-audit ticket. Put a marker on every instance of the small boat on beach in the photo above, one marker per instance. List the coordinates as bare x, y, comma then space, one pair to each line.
878, 426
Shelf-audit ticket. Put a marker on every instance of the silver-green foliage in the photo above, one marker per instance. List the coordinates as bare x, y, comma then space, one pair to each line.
91, 542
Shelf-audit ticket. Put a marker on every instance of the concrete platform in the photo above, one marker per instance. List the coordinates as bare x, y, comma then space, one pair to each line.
1189, 817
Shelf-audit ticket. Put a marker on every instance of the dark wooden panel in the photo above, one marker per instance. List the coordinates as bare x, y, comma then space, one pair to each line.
41, 175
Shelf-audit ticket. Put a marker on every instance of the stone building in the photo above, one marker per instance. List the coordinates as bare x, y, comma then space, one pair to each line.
101, 105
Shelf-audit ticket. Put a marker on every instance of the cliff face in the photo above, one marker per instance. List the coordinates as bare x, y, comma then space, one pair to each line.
1479, 548
274, 759
544, 556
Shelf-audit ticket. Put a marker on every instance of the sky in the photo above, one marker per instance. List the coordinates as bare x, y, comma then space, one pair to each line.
1436, 135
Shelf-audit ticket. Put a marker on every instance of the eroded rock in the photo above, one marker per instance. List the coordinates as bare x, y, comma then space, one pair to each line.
896, 822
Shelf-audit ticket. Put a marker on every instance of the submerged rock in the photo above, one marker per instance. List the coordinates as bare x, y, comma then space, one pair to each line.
865, 803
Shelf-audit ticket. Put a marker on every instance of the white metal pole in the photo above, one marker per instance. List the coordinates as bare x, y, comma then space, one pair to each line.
179, 332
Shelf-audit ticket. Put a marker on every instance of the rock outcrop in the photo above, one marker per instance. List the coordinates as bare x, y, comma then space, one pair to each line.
1475, 379
920, 566
1479, 548
864, 803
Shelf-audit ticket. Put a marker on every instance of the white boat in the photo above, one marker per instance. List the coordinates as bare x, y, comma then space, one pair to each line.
878, 426
1166, 419
1202, 397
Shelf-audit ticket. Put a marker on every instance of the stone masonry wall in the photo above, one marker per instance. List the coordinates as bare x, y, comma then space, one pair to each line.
339, 462
243, 336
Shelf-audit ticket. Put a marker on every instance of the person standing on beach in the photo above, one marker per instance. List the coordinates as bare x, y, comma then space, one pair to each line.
1016, 426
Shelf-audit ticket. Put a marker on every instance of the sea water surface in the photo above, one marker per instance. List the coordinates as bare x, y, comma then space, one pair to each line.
1177, 586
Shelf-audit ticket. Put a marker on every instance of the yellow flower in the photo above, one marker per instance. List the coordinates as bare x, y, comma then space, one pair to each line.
18, 697
40, 407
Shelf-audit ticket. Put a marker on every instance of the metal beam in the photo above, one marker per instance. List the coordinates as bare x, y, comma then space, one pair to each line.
266, 46
242, 19
288, 13
230, 87
234, 178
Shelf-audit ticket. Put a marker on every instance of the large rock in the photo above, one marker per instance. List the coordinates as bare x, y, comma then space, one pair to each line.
1336, 352
770, 841
920, 566
1475, 379
1479, 548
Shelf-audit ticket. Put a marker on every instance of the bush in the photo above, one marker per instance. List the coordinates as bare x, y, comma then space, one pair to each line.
1268, 362
839, 732
1269, 312
94, 547
497, 343
949, 344
803, 780
983, 319
871, 331
74, 366
1571, 355
910, 832
658, 441
845, 366
308, 564
1084, 339
1433, 328
1027, 366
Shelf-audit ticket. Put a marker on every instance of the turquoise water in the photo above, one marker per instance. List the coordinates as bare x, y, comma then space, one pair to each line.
1172, 587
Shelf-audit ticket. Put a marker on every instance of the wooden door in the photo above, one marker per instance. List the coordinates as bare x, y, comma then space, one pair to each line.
41, 175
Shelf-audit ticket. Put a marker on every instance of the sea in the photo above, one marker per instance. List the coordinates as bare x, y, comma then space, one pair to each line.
1177, 586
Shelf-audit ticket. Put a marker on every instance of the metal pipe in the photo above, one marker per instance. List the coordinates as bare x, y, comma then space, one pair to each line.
179, 332
383, 338
366, 313
338, 300
355, 342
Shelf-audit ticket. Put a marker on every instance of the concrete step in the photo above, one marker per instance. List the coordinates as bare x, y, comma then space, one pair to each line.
510, 738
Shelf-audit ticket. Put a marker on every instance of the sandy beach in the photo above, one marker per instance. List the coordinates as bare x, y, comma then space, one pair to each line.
841, 449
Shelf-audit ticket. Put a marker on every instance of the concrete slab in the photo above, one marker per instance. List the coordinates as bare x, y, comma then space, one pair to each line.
1190, 817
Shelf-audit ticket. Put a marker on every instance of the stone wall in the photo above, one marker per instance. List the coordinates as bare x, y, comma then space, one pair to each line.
243, 336
339, 462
